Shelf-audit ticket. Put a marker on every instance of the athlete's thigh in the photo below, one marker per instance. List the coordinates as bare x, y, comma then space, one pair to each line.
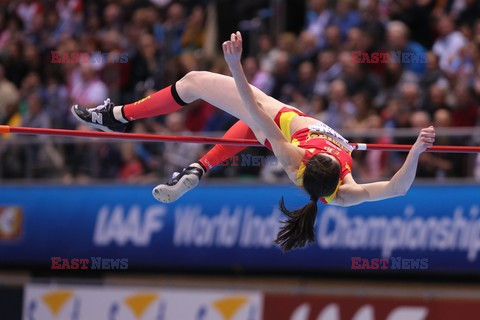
221, 91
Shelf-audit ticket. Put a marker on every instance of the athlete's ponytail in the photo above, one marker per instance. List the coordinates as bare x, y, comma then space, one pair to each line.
298, 228
320, 179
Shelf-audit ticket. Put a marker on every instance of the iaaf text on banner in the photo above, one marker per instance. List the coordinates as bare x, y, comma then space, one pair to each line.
309, 307
228, 226
44, 302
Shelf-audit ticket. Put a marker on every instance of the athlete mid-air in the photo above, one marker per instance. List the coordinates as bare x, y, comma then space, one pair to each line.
313, 155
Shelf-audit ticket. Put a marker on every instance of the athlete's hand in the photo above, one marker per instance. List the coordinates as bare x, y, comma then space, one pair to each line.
425, 140
232, 49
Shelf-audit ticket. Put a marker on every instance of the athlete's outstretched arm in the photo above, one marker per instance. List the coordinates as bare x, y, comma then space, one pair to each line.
352, 193
288, 155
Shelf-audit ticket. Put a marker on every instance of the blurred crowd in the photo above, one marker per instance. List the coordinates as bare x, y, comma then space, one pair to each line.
310, 64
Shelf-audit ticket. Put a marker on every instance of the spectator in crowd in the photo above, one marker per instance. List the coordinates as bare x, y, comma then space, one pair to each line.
81, 159
319, 16
56, 103
70, 14
178, 155
428, 164
111, 18
417, 15
287, 42
13, 62
328, 70
376, 163
132, 169
432, 73
306, 49
303, 89
469, 15
42, 159
345, 16
194, 34
256, 76
333, 38
392, 80
147, 66
267, 53
398, 41
340, 110
170, 32
462, 65
364, 113
396, 115
358, 79
371, 24
455, 164
449, 43
8, 96
437, 97
283, 77
356, 40
466, 108
35, 116
27, 10
86, 86
410, 96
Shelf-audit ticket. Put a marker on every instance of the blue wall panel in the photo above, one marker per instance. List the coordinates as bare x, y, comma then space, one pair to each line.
223, 226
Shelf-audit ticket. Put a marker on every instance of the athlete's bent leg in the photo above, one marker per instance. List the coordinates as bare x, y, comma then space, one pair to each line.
189, 178
161, 102
220, 153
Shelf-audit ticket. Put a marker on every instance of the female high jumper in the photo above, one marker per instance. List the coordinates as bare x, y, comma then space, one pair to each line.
313, 155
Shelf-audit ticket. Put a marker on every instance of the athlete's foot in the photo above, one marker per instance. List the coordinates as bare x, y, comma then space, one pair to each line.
181, 183
102, 117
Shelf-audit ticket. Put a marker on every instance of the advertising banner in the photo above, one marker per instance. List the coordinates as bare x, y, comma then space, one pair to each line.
44, 302
432, 228
64, 302
305, 307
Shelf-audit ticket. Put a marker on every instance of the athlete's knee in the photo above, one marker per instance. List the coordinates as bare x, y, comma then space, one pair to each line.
195, 78
190, 85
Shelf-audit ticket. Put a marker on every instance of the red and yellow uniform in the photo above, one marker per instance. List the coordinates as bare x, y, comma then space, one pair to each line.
315, 139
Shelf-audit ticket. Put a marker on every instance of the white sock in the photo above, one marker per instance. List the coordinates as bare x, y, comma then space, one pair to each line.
197, 165
118, 114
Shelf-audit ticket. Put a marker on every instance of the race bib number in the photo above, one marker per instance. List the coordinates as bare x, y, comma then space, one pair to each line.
323, 128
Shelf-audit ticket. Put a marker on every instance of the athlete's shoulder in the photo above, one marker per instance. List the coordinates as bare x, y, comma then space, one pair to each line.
348, 180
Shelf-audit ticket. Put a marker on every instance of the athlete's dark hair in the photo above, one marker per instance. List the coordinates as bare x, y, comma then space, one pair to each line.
320, 179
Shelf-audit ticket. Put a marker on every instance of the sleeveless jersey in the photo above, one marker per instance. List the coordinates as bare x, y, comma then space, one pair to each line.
316, 138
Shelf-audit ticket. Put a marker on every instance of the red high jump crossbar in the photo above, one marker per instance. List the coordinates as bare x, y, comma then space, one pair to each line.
209, 140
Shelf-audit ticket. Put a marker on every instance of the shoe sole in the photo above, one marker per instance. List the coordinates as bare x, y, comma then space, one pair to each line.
96, 126
169, 194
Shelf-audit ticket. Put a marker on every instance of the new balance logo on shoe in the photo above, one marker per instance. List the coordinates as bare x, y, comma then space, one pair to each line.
101, 117
97, 117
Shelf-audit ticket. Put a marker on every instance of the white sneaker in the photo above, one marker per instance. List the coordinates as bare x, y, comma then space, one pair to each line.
181, 183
